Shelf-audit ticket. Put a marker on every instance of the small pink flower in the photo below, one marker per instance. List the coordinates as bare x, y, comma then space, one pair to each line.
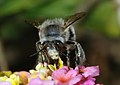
38, 81
64, 75
5, 83
88, 71
78, 76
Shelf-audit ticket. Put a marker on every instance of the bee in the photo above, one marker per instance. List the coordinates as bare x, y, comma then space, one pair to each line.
57, 38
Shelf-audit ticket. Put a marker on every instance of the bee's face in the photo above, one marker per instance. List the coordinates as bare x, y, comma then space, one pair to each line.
52, 52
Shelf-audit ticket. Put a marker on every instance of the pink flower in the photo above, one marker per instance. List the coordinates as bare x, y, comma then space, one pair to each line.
38, 81
5, 83
88, 71
64, 75
81, 80
91, 71
77, 76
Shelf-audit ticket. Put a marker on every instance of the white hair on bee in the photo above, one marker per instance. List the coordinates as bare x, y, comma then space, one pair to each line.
56, 21
69, 34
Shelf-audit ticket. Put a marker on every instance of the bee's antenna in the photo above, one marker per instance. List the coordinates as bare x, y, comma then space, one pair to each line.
36, 53
36, 22
33, 23
64, 54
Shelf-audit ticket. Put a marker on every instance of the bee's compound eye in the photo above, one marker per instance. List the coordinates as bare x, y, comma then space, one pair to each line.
57, 42
45, 42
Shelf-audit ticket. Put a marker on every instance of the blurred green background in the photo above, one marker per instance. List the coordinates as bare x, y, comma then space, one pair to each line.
98, 33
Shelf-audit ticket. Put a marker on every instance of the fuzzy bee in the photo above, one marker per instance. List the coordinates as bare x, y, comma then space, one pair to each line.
57, 38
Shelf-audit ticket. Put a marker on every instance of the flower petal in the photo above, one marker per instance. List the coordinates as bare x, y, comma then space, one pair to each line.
91, 71
38, 81
71, 73
89, 81
23, 75
75, 80
5, 83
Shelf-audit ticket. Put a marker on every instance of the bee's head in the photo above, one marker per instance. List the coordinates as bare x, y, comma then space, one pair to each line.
52, 52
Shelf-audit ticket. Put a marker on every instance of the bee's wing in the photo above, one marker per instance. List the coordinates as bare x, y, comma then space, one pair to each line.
36, 23
73, 18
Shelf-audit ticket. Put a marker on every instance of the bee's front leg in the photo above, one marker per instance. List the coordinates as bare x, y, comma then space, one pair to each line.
38, 47
40, 56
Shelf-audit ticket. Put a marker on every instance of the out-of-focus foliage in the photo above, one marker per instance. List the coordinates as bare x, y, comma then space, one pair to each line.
104, 19
38, 7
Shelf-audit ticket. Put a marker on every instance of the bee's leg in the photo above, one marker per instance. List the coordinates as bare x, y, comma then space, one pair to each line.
80, 55
68, 59
38, 46
46, 57
40, 54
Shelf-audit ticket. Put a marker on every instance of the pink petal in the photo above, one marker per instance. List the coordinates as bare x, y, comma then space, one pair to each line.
5, 83
60, 83
91, 71
48, 82
71, 74
38, 81
35, 81
89, 82
75, 80
65, 68
64, 74
58, 74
